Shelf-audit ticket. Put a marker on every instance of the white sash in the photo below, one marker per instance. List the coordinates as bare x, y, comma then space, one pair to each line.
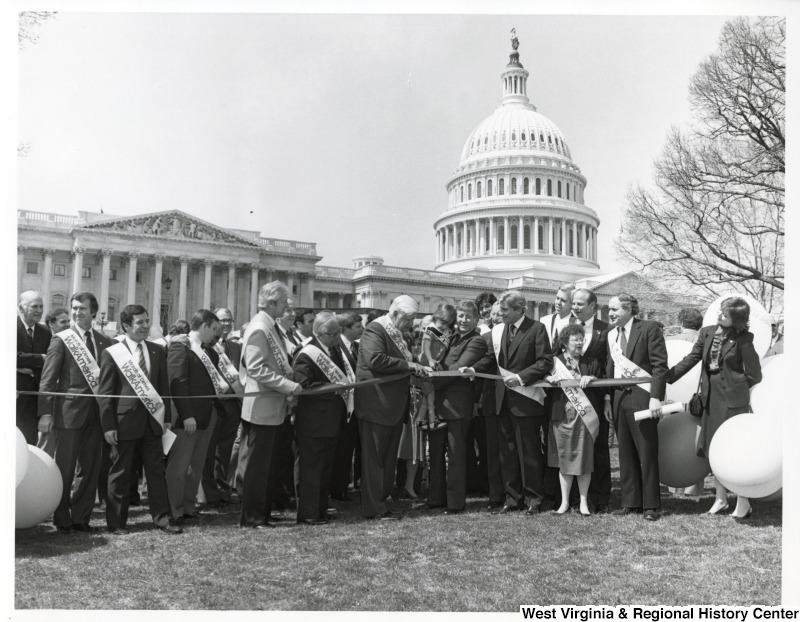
625, 368
332, 372
84, 359
395, 336
220, 386
280, 356
227, 369
533, 393
138, 380
578, 399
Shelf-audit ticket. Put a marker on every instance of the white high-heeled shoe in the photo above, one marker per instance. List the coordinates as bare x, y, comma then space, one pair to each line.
719, 506
738, 513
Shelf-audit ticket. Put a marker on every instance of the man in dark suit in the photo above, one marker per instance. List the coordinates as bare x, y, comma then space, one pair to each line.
381, 408
190, 362
71, 367
595, 344
320, 419
345, 463
454, 404
520, 351
216, 471
134, 424
634, 346
33, 340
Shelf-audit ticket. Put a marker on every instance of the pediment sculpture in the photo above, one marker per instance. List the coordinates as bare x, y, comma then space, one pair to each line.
171, 225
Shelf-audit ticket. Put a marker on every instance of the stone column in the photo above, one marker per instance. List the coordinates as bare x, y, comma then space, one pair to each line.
47, 255
310, 287
290, 285
536, 314
208, 265
341, 301
323, 300
563, 237
155, 316
594, 244
575, 243
551, 226
77, 269
184, 261
105, 275
20, 265
520, 235
133, 259
536, 235
506, 236
254, 268
231, 300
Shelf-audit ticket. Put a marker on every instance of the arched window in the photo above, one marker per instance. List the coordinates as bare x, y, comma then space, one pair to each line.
559, 188
567, 191
570, 243
462, 194
501, 237
489, 188
513, 242
526, 237
469, 239
57, 301
513, 185
501, 186
541, 236
549, 187
526, 186
469, 192
478, 189
458, 243
486, 238
538, 186
523, 136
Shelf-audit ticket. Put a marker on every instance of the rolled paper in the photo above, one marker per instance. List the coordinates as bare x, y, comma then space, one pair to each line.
666, 409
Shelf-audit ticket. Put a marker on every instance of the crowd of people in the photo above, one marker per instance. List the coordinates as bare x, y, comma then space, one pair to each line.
299, 407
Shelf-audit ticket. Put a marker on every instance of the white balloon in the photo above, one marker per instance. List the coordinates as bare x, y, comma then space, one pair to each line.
760, 321
39, 492
683, 389
772, 395
746, 454
679, 465
22, 456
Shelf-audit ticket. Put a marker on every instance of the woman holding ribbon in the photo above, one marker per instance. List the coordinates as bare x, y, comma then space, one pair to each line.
574, 420
730, 368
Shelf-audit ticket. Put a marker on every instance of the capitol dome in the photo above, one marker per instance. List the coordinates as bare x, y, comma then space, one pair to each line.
515, 200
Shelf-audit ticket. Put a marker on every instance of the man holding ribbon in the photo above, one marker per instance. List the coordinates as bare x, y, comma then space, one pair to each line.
636, 349
192, 367
71, 367
519, 351
134, 423
320, 419
381, 408
264, 370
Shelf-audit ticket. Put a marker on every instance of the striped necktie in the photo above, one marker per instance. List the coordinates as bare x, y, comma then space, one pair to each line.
142, 360
87, 336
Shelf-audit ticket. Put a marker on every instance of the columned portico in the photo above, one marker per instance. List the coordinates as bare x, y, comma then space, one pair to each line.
184, 270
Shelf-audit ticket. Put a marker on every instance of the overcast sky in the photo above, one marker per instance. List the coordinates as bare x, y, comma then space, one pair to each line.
335, 129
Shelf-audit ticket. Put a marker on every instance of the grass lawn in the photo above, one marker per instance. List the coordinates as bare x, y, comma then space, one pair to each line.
474, 561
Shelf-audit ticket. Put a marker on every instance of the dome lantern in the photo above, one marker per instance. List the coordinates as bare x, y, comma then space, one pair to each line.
515, 77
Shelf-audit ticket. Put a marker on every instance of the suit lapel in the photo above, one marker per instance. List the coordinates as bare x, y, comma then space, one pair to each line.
726, 347
634, 336
523, 328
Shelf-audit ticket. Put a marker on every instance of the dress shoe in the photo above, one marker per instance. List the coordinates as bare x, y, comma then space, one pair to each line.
171, 529
388, 516
534, 509
234, 499
719, 506
507, 509
342, 497
651, 515
64, 530
450, 511
313, 521
82, 527
493, 505
119, 531
193, 516
277, 515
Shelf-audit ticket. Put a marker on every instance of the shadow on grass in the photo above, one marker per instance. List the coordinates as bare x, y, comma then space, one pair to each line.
46, 542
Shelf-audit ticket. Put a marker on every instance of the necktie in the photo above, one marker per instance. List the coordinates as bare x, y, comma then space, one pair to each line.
354, 350
142, 360
87, 336
573, 319
30, 336
623, 340
512, 330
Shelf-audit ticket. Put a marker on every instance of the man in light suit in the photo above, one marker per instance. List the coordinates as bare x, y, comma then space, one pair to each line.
264, 369
33, 339
641, 343
555, 322
196, 418
75, 418
128, 425
595, 344
381, 408
523, 357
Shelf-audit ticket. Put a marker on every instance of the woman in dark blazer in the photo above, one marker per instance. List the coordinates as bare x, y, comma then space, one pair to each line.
570, 446
730, 368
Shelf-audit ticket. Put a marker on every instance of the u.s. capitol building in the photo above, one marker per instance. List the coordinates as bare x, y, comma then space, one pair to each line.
515, 217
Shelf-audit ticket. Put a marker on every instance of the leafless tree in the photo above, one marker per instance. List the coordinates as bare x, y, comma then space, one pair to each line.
714, 216
29, 24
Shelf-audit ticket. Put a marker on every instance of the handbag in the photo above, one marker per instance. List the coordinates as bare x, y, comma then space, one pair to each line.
696, 401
